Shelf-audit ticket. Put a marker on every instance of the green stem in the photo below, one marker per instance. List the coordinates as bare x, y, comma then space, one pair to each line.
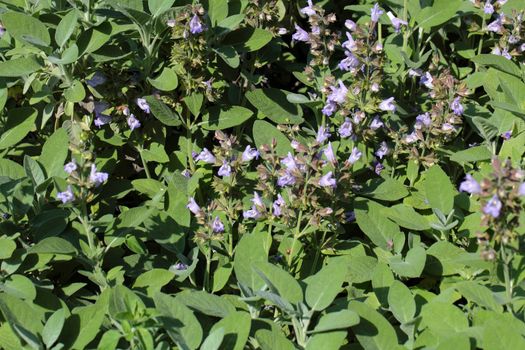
507, 276
295, 237
84, 220
144, 163
207, 273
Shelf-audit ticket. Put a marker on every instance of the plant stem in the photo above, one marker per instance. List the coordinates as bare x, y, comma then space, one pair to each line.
506, 274
144, 163
84, 220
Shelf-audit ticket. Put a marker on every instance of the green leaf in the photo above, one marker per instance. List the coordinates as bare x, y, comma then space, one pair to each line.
109, 340
182, 324
21, 313
157, 7
323, 287
336, 320
384, 189
7, 247
443, 319
413, 264
264, 133
440, 12
26, 28
65, 28
439, 190
154, 280
249, 39
478, 294
18, 67
283, 283
217, 10
374, 331
162, 112
53, 327
194, 103
219, 118
84, 324
20, 121
273, 104
407, 217
470, 155
251, 250
54, 153
53, 245
236, 330
34, 171
498, 62
208, 304
401, 302
498, 335
214, 340
444, 258
382, 279
94, 38
228, 55
75, 93
166, 81
21, 287
273, 339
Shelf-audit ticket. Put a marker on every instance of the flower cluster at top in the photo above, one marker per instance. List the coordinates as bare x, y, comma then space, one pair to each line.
81, 179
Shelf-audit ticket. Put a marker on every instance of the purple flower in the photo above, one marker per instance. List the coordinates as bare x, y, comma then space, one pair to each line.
411, 138
316, 30
249, 154
387, 105
322, 134
133, 122
447, 127
329, 153
2, 30
70, 167
217, 226
141, 102
196, 26
521, 189
329, 109
470, 185
350, 25
382, 151
488, 9
101, 119
186, 173
350, 216
376, 123
278, 205
97, 79
505, 53
348, 63
206, 156
289, 162
378, 168
396, 22
286, 180
349, 44
345, 130
181, 266
493, 207
327, 180
253, 213
427, 80
496, 25
375, 12
354, 156
193, 206
507, 135
308, 10
257, 200
225, 169
338, 94
423, 120
300, 34
67, 196
456, 106
97, 177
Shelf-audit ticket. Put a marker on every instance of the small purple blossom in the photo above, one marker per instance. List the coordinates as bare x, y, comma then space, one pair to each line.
97, 79
411, 138
427, 80
350, 43
507, 135
378, 168
206, 156
133, 122
327, 180
329, 109
496, 25
181, 266
289, 162
521, 189
2, 30
143, 105
225, 169
322, 134
396, 22
217, 226
375, 12
196, 26
300, 34
388, 105
423, 120
101, 119
493, 207
345, 130
329, 153
249, 154
286, 180
70, 167
382, 151
193, 206
355, 155
253, 213
278, 205
348, 63
447, 127
488, 9
456, 106
308, 10
350, 25
67, 196
470, 185
376, 123
257, 200
338, 94
97, 177
350, 216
